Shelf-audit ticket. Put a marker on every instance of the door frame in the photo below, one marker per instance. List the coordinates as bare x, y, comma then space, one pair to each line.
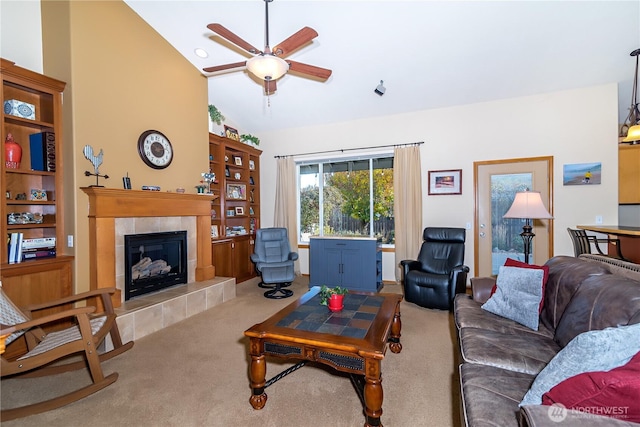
476, 242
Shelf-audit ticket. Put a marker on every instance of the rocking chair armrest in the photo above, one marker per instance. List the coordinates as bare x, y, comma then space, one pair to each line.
6, 330
70, 299
74, 312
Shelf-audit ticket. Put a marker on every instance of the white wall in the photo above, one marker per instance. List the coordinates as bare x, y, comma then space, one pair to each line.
21, 33
576, 126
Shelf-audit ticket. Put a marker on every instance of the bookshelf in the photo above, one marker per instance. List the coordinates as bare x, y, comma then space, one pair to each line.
38, 280
235, 214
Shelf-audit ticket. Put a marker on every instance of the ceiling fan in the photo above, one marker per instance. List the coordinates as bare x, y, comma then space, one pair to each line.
269, 65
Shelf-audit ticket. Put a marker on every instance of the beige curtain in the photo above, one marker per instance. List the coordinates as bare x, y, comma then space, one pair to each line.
407, 205
285, 209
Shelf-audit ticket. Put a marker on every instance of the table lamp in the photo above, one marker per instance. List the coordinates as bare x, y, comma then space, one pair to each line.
527, 205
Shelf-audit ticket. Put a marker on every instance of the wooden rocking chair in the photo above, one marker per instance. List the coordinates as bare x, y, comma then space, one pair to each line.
87, 333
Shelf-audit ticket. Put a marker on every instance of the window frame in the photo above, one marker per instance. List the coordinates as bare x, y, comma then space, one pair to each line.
320, 161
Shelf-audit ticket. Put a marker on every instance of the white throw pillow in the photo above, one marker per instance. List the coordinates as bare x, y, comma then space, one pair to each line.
518, 295
590, 351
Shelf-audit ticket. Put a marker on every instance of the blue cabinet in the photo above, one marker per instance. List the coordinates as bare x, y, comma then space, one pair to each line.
353, 263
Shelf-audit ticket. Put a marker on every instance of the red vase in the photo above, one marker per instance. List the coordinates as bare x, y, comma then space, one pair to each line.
12, 153
336, 302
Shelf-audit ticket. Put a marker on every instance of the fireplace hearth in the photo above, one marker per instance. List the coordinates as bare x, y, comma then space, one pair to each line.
154, 261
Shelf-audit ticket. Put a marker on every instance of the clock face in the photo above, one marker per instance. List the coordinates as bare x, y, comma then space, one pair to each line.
155, 149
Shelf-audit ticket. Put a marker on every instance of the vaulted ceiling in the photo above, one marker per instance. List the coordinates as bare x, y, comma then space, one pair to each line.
430, 54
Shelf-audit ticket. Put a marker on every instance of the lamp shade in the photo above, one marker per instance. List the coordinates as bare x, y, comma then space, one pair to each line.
528, 205
633, 134
267, 66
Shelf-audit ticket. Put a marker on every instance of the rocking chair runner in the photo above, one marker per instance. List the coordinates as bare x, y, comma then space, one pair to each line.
88, 332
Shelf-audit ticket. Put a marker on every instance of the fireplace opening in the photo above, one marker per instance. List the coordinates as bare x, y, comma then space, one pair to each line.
154, 261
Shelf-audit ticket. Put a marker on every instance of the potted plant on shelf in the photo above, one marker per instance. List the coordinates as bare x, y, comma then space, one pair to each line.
248, 138
216, 118
333, 297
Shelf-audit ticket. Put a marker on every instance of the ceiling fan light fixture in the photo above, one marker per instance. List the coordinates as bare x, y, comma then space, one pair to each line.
267, 67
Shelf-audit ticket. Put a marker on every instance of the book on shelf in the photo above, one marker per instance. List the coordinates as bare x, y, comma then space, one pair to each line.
38, 254
39, 243
43, 151
15, 248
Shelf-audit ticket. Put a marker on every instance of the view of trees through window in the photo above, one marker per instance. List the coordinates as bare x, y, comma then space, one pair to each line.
353, 198
505, 232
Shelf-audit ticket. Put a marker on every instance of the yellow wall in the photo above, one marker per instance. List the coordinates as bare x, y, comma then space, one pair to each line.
122, 78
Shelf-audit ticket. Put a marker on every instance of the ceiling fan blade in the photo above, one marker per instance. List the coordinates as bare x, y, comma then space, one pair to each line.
310, 70
233, 38
270, 86
225, 67
295, 41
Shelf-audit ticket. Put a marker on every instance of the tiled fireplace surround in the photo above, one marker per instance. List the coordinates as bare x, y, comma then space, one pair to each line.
115, 213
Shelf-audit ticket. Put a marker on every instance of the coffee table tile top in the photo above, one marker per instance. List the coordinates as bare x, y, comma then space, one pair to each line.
352, 321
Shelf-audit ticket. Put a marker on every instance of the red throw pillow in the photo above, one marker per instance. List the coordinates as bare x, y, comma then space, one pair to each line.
613, 393
510, 262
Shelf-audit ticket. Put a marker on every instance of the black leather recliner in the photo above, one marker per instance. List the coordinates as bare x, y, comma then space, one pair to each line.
439, 273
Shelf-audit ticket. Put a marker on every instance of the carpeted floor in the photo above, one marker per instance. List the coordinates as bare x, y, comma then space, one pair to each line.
194, 373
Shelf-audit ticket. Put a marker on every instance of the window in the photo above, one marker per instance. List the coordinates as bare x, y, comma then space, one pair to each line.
353, 197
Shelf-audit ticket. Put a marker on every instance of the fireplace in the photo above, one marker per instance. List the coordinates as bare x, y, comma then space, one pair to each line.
154, 261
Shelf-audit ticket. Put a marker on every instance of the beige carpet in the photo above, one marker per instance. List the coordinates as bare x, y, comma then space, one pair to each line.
194, 373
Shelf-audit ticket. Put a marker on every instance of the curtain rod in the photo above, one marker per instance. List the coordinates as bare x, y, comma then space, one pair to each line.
350, 149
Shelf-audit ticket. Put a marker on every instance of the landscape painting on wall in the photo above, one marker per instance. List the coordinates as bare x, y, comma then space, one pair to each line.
582, 174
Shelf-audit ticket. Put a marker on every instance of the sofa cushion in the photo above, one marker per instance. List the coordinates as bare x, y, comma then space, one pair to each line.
468, 313
599, 350
526, 351
596, 305
518, 295
615, 393
490, 395
565, 276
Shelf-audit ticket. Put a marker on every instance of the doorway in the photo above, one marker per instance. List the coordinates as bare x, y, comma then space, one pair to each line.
496, 183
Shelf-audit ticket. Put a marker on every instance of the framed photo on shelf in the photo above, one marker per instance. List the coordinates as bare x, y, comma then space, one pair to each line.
214, 231
252, 165
251, 180
237, 160
239, 210
237, 191
226, 172
231, 212
445, 182
231, 133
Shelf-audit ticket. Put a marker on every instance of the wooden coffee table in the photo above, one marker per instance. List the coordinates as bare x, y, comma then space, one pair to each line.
353, 340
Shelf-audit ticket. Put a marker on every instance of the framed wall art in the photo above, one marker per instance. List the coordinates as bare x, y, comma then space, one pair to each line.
231, 133
239, 210
445, 182
237, 191
582, 174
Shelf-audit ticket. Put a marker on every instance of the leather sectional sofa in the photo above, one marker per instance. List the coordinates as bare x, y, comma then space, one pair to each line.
500, 358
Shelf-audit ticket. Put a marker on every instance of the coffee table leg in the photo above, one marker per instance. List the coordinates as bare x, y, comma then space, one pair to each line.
257, 373
396, 326
372, 393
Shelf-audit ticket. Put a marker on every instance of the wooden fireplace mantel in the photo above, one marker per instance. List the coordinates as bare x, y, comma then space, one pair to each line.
107, 204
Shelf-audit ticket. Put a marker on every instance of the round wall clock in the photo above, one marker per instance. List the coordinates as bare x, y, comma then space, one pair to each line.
155, 149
